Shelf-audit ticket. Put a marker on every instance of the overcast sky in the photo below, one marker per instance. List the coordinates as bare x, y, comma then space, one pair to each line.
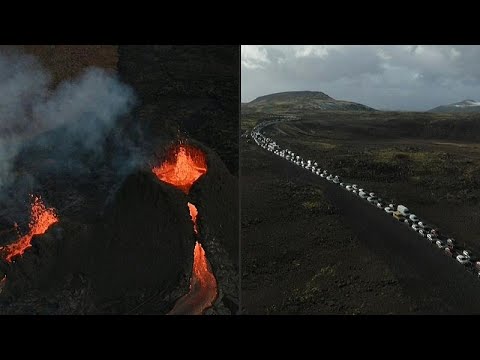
396, 77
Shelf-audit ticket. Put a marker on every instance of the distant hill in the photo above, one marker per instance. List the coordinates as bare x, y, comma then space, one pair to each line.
462, 106
301, 101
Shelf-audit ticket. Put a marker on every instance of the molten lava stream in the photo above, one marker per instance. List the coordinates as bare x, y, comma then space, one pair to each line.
203, 285
41, 218
193, 214
182, 170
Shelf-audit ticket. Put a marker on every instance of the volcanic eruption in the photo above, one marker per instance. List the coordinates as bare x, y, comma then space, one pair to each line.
41, 218
183, 167
84, 141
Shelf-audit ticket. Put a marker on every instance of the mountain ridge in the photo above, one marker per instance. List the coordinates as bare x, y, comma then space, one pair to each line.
467, 105
301, 100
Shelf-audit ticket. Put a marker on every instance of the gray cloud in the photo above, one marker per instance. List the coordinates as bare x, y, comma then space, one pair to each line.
414, 77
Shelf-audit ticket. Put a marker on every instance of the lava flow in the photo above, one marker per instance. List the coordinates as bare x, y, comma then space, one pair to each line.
203, 285
41, 218
185, 167
193, 215
202, 282
182, 169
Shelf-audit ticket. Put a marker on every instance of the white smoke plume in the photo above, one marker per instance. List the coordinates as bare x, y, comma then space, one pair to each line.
83, 110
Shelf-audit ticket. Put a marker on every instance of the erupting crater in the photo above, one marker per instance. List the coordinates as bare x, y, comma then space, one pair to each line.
41, 218
184, 165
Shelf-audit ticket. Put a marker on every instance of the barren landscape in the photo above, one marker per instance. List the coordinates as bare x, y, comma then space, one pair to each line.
336, 257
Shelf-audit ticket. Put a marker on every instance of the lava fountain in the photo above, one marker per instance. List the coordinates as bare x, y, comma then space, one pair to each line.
182, 169
41, 218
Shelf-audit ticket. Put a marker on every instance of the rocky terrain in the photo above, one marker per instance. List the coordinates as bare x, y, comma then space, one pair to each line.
425, 161
298, 255
191, 90
432, 170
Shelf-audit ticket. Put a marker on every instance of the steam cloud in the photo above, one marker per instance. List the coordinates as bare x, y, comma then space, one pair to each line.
74, 120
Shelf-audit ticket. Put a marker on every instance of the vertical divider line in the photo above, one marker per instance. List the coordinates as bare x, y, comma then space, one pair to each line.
240, 307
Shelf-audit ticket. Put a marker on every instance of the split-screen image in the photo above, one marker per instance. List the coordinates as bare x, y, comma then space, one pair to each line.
239, 180
119, 180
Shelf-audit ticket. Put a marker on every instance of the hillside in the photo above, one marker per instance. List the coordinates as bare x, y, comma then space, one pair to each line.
301, 101
462, 106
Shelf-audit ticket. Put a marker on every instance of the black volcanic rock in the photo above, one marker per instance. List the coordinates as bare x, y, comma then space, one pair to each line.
216, 196
37, 266
191, 88
146, 242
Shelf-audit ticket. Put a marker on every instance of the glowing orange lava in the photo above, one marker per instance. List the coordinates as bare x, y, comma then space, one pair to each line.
203, 287
181, 171
41, 218
193, 215
202, 277
184, 168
